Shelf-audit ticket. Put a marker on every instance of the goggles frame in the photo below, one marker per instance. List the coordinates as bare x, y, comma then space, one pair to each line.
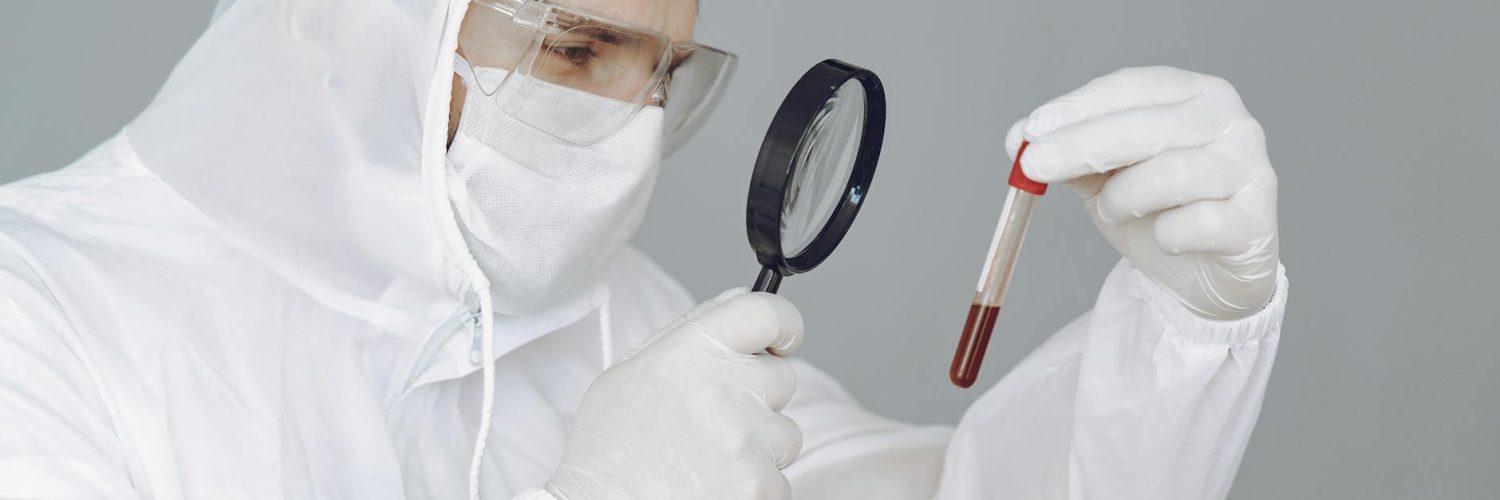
545, 18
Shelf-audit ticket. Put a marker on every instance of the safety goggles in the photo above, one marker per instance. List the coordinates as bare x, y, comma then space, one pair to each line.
540, 46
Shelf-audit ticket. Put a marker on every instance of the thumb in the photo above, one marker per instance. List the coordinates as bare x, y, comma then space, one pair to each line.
1014, 137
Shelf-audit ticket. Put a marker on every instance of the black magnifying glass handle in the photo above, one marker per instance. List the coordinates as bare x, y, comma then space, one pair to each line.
768, 281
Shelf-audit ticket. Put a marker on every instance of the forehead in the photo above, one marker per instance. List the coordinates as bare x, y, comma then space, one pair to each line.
676, 18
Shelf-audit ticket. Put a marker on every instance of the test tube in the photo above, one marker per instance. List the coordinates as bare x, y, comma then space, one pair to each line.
995, 277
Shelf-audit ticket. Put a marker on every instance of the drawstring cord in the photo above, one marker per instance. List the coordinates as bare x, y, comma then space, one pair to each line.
487, 352
487, 408
486, 329
606, 334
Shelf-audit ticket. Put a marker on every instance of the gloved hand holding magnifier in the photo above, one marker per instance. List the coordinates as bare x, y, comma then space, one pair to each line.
814, 169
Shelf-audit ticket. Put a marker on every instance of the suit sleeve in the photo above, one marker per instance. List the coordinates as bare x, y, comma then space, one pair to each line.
1136, 399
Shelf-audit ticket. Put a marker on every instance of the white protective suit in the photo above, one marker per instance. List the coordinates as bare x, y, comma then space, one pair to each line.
258, 290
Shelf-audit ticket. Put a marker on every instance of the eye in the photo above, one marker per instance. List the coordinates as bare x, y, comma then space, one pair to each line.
579, 55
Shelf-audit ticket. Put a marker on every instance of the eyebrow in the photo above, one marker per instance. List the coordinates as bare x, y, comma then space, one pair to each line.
599, 33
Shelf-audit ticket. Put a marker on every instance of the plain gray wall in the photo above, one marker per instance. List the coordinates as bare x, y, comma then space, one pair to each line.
1382, 119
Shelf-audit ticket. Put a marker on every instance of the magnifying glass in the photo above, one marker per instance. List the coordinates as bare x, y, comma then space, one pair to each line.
814, 169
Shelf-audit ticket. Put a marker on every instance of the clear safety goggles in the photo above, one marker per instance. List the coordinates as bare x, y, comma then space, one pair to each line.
541, 46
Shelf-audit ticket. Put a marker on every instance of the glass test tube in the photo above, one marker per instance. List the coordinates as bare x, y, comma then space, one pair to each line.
995, 277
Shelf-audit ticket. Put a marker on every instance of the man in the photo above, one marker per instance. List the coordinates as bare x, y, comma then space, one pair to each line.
376, 249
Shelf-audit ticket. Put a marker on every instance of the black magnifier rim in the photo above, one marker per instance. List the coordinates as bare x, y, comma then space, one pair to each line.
775, 166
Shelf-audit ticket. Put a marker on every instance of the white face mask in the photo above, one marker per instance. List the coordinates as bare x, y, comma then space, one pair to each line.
544, 217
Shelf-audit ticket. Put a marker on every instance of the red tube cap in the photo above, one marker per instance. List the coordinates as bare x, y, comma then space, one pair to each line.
1019, 180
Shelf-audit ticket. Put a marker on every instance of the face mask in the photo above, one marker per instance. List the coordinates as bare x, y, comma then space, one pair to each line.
544, 217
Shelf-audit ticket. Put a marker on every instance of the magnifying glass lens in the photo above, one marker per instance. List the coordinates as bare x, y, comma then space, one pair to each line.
822, 165
814, 169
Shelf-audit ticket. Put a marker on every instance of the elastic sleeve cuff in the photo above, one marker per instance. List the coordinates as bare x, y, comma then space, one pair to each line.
534, 494
1197, 329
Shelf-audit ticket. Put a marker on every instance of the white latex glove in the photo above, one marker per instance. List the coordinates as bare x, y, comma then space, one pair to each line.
1174, 172
694, 412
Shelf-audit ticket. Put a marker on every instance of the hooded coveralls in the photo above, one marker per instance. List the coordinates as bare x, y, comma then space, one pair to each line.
258, 290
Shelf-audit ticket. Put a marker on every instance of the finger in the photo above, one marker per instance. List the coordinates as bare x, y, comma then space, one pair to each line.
780, 438
1088, 186
774, 381
1127, 88
753, 322
1214, 226
1171, 179
1125, 138
769, 484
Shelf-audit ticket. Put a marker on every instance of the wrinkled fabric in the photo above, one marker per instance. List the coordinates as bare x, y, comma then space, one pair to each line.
155, 359
259, 290
1139, 398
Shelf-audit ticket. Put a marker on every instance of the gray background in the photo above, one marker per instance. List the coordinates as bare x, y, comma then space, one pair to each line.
1382, 122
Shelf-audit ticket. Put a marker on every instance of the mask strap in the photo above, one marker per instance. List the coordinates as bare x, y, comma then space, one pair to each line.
464, 70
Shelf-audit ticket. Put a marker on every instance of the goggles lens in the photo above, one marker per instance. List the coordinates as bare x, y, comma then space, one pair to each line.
693, 92
543, 48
